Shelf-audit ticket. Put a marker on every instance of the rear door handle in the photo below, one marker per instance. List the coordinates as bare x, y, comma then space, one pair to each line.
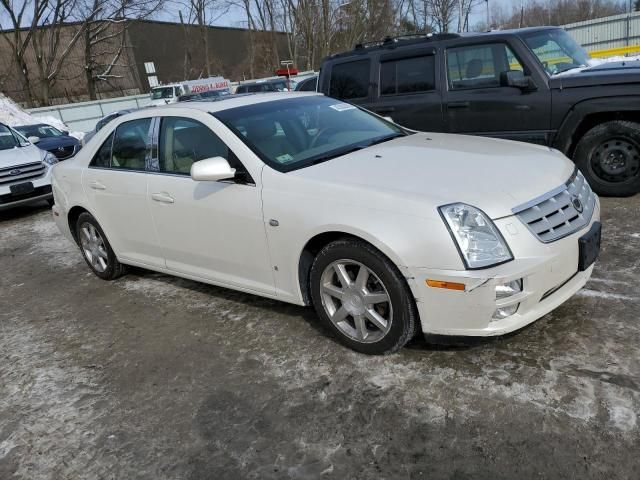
162, 197
458, 105
97, 186
385, 110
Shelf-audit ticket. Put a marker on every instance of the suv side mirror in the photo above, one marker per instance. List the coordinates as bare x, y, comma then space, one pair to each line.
516, 79
33, 139
212, 170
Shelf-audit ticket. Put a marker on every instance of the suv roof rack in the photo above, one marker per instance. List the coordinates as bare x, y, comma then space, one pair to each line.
387, 41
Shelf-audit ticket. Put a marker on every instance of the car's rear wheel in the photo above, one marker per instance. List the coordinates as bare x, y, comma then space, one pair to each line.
608, 155
96, 249
362, 297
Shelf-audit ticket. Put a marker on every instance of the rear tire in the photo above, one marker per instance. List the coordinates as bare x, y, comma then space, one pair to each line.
96, 250
362, 297
608, 156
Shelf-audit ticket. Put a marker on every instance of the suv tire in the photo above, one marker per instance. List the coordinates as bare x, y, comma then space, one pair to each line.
96, 250
608, 156
374, 313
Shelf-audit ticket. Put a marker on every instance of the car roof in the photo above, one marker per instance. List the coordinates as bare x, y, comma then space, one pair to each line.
232, 101
34, 125
425, 39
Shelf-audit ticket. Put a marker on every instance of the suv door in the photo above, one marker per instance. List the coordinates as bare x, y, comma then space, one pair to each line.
209, 230
407, 90
476, 103
116, 186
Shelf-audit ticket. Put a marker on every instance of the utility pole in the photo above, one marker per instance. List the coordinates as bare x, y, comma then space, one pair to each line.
488, 16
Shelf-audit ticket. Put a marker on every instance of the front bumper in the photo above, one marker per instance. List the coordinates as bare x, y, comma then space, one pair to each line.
41, 191
549, 273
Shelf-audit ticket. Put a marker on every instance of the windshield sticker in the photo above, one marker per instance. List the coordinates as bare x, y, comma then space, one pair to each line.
341, 107
284, 158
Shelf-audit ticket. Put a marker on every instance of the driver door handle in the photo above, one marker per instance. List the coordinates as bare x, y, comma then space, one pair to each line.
458, 105
162, 197
97, 186
384, 110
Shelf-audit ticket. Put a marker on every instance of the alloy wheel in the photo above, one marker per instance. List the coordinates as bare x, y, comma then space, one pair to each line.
93, 247
356, 301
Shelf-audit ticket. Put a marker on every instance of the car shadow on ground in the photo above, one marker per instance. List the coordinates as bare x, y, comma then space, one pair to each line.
23, 211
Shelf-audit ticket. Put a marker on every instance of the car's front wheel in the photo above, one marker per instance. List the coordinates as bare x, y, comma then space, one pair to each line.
362, 297
96, 249
608, 155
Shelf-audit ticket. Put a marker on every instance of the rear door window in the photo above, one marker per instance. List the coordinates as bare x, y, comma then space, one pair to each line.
130, 145
350, 80
407, 75
102, 158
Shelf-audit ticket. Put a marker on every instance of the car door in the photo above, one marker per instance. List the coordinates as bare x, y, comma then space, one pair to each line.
407, 90
115, 183
476, 103
210, 230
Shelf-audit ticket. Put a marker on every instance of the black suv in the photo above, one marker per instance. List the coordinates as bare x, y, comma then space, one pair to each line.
535, 85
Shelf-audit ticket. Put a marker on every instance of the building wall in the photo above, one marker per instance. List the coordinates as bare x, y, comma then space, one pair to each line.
607, 33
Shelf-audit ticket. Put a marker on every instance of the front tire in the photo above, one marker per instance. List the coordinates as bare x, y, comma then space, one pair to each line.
608, 156
362, 297
96, 249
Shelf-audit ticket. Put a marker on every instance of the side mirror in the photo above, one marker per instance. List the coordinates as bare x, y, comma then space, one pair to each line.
212, 170
516, 79
65, 133
33, 139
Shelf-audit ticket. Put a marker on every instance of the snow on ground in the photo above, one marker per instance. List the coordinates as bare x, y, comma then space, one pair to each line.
13, 115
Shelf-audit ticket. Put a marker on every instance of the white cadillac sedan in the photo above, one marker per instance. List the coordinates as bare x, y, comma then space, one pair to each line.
312, 201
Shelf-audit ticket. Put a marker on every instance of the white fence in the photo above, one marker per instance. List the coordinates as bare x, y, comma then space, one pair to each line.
83, 116
608, 32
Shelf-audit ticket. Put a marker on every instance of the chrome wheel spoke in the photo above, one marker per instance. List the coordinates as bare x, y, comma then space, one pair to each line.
375, 318
339, 315
362, 278
376, 297
86, 235
332, 290
361, 327
343, 275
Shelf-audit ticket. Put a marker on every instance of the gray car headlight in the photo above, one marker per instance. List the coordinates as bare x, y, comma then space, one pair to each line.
49, 158
478, 240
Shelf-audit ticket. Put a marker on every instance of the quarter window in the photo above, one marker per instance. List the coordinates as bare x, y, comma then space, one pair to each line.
184, 141
407, 75
350, 80
479, 66
129, 150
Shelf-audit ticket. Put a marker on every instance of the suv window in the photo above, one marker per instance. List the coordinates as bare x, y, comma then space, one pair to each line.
102, 158
184, 141
129, 150
479, 66
350, 80
407, 75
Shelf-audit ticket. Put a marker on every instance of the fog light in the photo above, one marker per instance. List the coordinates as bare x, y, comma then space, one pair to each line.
508, 289
505, 312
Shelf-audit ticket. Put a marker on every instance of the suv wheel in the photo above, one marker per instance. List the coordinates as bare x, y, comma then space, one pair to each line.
362, 297
608, 155
96, 249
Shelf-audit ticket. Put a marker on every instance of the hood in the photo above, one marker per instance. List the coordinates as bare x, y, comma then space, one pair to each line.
51, 143
14, 157
436, 169
610, 73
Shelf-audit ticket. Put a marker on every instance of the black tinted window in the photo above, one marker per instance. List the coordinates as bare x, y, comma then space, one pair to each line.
102, 157
130, 145
407, 75
350, 80
184, 141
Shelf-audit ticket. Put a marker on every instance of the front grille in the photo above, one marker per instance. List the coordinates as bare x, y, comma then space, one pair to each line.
22, 173
559, 212
10, 198
63, 153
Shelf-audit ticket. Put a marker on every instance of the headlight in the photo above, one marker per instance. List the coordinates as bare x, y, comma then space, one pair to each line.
479, 241
50, 158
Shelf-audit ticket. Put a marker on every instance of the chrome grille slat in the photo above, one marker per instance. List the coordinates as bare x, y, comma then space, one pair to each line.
27, 172
554, 215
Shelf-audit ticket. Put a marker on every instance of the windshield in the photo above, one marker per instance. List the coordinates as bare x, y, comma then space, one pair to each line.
557, 51
298, 132
159, 93
40, 131
7, 138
